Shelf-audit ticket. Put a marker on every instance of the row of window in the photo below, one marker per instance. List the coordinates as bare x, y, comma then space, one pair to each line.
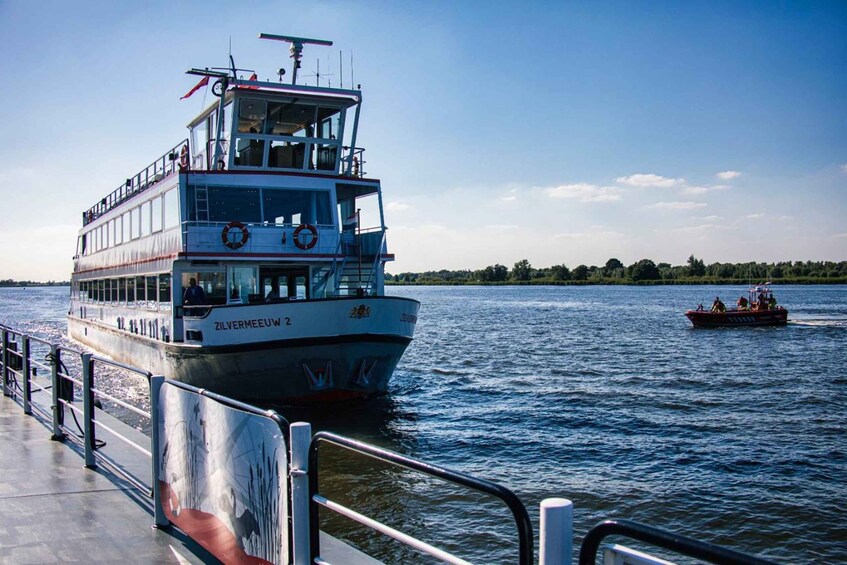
151, 291
151, 216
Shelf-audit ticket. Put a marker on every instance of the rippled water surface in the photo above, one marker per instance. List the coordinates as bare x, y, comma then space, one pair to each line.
605, 396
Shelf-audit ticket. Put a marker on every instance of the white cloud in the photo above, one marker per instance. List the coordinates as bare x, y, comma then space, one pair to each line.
511, 198
584, 235
676, 205
704, 189
585, 192
649, 179
397, 206
844, 167
754, 216
499, 227
728, 175
840, 236
709, 218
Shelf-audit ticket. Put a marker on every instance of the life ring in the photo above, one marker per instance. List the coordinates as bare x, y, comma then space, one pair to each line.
245, 235
183, 157
312, 229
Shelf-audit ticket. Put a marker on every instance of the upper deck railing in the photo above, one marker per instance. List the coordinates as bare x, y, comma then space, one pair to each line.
165, 165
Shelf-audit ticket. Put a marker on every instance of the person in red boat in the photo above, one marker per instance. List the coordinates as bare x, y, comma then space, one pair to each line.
743, 303
718, 306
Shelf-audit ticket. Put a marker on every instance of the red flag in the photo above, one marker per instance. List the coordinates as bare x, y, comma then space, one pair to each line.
252, 77
203, 82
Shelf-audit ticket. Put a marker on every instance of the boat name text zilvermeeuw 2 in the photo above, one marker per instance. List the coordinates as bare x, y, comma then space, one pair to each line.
255, 323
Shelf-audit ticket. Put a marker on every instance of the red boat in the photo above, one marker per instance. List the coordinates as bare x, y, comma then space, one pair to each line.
759, 310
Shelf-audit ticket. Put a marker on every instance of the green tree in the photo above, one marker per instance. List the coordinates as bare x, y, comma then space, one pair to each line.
522, 271
560, 272
644, 270
696, 267
580, 273
614, 269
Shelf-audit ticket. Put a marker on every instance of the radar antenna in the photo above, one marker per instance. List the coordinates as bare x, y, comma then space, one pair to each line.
296, 48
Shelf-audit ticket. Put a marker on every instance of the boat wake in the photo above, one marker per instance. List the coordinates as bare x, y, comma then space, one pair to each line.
839, 321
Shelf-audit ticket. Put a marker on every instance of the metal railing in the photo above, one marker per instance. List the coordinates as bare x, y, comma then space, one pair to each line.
515, 506
19, 376
154, 172
689, 547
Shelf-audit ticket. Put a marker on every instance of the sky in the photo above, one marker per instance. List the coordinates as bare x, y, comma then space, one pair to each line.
566, 132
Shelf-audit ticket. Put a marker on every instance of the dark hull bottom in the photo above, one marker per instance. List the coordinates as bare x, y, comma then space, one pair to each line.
737, 318
318, 370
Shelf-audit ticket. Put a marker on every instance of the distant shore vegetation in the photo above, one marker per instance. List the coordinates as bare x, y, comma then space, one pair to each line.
643, 272
10, 282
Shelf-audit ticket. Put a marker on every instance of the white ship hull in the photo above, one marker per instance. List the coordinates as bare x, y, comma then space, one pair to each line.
298, 351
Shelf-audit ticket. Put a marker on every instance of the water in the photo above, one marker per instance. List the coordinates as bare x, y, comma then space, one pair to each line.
605, 396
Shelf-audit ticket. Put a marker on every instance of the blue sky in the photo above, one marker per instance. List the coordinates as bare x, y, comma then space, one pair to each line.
559, 132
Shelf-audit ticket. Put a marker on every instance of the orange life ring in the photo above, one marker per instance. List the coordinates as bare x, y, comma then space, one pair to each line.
235, 244
312, 229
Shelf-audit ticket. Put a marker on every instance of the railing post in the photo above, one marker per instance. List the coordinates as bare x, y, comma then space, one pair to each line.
27, 386
159, 518
301, 437
5, 360
556, 536
88, 408
57, 381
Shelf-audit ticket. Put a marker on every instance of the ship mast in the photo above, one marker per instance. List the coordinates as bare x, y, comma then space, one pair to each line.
222, 83
296, 48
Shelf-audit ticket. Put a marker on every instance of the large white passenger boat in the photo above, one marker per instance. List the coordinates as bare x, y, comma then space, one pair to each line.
262, 206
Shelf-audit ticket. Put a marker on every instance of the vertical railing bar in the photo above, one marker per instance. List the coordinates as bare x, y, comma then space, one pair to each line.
88, 408
301, 437
58, 407
5, 358
27, 386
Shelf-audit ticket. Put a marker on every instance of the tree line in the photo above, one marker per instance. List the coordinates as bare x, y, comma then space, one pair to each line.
645, 271
11, 282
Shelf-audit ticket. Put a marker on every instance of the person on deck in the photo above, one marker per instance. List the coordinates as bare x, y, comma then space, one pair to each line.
718, 306
761, 303
772, 302
193, 295
743, 303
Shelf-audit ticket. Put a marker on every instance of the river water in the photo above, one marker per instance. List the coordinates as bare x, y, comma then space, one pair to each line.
602, 395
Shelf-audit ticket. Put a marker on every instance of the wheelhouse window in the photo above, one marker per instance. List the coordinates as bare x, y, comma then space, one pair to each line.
277, 134
251, 115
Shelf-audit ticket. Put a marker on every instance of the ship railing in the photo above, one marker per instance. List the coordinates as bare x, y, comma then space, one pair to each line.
165, 165
353, 161
316, 500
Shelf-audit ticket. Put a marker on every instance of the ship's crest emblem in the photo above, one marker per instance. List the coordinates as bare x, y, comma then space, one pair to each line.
360, 311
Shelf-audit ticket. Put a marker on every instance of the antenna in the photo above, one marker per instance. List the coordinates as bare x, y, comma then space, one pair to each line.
340, 71
296, 48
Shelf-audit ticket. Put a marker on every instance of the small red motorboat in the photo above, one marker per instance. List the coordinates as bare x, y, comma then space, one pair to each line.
759, 310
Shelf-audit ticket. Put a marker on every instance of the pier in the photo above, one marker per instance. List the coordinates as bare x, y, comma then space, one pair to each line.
53, 509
